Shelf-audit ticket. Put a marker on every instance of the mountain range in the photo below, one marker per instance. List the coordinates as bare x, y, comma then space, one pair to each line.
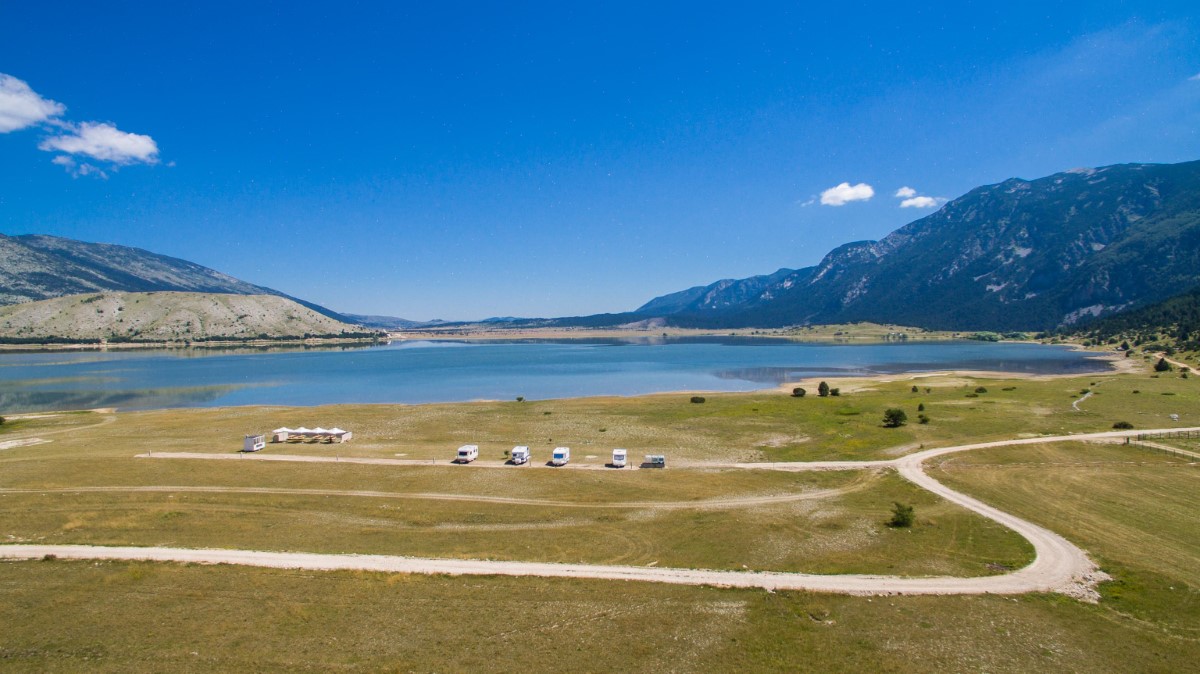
1018, 255
38, 267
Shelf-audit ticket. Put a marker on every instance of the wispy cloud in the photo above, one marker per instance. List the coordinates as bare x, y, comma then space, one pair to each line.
100, 142
844, 193
910, 199
104, 142
1194, 78
920, 202
21, 107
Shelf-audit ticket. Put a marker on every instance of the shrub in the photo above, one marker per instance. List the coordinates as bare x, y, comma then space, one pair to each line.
922, 419
1122, 426
697, 399
822, 389
894, 417
972, 395
902, 515
921, 407
798, 392
915, 389
1162, 365
980, 389
520, 399
835, 392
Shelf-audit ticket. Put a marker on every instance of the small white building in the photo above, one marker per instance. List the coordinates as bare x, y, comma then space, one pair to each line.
253, 443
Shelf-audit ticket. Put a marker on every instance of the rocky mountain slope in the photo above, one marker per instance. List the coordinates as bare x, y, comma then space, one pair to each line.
1019, 255
37, 267
167, 316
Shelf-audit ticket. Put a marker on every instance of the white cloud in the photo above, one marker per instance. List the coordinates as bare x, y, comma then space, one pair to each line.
905, 192
919, 202
21, 107
845, 193
106, 143
1195, 78
77, 169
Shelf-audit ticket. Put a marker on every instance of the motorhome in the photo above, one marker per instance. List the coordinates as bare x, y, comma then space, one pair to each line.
620, 459
561, 456
519, 455
467, 454
655, 461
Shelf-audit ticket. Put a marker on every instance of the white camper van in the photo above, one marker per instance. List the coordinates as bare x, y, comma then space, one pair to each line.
620, 460
520, 455
467, 454
561, 456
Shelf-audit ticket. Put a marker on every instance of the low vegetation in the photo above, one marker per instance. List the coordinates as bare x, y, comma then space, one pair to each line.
1129, 506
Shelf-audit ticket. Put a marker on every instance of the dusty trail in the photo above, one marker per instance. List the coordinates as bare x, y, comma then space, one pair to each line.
1059, 566
709, 504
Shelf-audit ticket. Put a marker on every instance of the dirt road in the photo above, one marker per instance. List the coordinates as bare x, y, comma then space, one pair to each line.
702, 504
1059, 566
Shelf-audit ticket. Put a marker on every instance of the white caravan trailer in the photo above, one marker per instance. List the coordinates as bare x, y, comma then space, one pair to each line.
561, 456
520, 455
619, 458
467, 454
253, 443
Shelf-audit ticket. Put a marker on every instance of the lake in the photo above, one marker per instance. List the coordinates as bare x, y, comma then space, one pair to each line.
431, 371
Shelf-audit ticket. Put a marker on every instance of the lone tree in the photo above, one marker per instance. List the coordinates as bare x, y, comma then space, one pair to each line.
823, 389
798, 392
902, 515
894, 417
1162, 365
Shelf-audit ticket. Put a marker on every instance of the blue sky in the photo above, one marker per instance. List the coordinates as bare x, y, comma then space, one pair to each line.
538, 159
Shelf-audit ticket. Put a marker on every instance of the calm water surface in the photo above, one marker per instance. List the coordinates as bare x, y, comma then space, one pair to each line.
422, 372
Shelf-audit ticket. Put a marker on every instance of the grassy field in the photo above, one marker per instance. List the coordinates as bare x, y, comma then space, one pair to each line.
770, 426
1134, 510
617, 517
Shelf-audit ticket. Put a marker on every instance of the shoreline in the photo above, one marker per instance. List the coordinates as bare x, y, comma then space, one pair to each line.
849, 383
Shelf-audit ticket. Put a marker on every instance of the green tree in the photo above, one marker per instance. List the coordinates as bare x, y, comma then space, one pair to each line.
823, 389
894, 417
1122, 426
1162, 365
921, 407
902, 515
798, 392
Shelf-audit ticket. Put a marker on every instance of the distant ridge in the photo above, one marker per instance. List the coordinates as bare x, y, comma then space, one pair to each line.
38, 267
1018, 255
168, 316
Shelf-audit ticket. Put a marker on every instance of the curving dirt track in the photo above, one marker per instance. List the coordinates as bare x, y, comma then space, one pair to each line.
1059, 566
